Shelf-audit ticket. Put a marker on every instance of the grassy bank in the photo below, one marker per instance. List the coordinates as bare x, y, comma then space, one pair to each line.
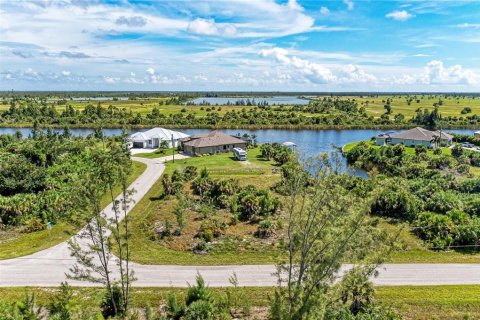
15, 244
412, 302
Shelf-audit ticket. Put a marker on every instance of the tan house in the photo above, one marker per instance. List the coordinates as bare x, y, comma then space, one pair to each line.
211, 143
414, 137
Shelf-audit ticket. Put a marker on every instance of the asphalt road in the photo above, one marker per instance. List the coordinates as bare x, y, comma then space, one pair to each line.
48, 267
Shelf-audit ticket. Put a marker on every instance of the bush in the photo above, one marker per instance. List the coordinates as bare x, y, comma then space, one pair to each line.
457, 151
395, 201
172, 185
265, 229
112, 304
420, 149
253, 203
189, 173
211, 229
62, 306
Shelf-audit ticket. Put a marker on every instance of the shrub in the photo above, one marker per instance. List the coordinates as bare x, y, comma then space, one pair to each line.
171, 185
420, 149
395, 201
437, 151
254, 203
265, 229
112, 304
457, 151
211, 229
62, 306
189, 173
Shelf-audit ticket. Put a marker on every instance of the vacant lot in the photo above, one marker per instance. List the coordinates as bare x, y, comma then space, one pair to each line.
238, 245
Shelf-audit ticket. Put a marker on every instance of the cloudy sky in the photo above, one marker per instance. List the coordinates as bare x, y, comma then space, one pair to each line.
257, 45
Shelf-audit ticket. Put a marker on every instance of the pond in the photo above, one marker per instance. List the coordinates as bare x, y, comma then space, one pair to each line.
92, 99
276, 100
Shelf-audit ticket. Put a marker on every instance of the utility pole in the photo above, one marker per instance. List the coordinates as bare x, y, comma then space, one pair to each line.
173, 149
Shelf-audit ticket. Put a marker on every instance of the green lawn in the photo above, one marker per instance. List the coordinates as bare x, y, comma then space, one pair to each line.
412, 302
156, 154
14, 244
145, 249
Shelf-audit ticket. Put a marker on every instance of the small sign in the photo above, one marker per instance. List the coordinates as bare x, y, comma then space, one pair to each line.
49, 226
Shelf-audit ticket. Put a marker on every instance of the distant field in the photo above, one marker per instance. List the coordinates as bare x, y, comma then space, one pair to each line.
451, 106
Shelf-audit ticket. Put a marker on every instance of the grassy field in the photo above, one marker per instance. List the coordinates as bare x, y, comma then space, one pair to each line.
451, 106
14, 244
238, 246
412, 302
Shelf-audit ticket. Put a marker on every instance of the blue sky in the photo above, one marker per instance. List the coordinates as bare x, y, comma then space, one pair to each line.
255, 45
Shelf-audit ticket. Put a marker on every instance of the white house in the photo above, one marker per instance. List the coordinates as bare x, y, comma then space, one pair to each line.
153, 138
414, 137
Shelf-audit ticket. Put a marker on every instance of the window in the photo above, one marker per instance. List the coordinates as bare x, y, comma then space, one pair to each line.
225, 147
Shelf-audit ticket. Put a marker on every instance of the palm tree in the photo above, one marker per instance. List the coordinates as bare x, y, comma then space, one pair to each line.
436, 140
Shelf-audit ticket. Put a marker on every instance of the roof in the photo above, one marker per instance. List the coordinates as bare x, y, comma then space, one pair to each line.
213, 138
420, 134
289, 144
160, 133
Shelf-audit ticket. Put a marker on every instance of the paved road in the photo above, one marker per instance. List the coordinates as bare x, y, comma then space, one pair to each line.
48, 267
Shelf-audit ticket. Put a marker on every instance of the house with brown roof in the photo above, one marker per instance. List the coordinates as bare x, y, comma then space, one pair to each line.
414, 137
211, 143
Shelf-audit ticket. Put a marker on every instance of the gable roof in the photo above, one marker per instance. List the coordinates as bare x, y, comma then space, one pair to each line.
420, 134
213, 138
159, 133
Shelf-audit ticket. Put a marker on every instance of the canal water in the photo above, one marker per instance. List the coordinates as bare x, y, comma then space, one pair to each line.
309, 142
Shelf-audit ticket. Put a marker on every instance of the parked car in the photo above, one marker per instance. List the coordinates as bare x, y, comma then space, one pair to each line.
467, 145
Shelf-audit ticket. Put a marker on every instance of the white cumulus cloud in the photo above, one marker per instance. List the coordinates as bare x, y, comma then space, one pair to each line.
436, 73
324, 11
317, 72
401, 15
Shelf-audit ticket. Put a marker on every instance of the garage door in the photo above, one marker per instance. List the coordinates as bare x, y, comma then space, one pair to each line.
138, 144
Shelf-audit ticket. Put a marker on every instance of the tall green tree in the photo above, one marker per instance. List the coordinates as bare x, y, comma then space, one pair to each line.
328, 225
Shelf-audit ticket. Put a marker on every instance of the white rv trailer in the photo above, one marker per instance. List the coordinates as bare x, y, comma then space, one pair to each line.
240, 154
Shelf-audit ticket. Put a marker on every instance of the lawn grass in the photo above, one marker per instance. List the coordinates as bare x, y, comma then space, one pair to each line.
14, 244
156, 154
412, 302
147, 250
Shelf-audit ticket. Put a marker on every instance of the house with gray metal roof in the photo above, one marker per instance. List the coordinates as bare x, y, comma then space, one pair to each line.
153, 138
211, 143
414, 137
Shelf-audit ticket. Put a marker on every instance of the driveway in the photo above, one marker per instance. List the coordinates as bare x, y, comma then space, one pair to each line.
48, 267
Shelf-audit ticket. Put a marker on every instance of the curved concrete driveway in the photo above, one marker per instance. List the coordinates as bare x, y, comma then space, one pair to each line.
48, 267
